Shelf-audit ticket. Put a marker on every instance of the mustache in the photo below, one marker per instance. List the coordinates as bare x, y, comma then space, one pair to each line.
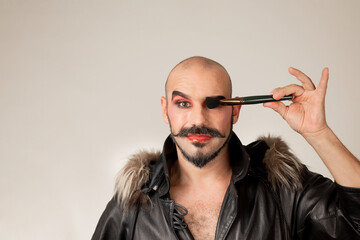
199, 130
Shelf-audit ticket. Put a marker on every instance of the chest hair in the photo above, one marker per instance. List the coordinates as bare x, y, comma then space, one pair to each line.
202, 218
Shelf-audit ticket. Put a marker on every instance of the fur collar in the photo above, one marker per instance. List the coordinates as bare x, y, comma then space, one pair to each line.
282, 167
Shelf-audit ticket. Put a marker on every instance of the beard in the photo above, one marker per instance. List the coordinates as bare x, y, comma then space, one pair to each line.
200, 159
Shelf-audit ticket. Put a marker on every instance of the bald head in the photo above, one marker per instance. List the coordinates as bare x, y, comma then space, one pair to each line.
199, 62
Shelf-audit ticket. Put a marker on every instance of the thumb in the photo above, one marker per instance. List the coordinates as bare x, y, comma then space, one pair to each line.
322, 86
278, 107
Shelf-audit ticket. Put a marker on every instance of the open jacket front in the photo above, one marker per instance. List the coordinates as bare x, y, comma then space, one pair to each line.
271, 196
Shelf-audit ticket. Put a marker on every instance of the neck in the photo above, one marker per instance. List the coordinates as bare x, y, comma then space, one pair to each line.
217, 171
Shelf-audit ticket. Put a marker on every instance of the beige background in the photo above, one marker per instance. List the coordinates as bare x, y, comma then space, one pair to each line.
80, 87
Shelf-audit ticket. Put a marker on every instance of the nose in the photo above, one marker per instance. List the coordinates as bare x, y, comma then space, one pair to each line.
198, 116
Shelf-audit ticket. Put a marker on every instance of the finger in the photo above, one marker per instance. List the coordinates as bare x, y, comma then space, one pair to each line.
278, 107
322, 86
293, 89
303, 78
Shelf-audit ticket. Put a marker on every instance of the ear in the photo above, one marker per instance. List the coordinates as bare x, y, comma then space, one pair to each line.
164, 109
235, 113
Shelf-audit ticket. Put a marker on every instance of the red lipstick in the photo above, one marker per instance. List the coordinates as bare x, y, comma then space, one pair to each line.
198, 137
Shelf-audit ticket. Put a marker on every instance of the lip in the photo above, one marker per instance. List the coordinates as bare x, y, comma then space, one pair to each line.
199, 137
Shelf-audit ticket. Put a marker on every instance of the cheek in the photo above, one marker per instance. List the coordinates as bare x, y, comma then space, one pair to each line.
177, 118
223, 118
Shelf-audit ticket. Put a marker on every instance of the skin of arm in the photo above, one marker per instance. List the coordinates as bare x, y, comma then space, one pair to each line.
306, 115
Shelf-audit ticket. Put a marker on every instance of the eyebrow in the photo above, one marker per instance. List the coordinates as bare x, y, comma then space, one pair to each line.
178, 93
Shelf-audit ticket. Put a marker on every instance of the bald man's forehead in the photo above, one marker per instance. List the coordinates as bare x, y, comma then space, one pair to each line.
199, 64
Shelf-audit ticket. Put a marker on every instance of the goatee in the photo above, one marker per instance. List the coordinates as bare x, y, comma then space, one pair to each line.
199, 159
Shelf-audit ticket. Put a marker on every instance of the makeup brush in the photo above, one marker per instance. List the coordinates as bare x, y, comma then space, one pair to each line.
214, 102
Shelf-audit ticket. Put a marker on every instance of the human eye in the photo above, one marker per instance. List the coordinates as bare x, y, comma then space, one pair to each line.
183, 104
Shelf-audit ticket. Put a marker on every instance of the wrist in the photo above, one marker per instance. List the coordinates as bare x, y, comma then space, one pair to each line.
318, 136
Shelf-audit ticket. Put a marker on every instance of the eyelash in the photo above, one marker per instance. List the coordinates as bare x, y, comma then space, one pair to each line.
180, 103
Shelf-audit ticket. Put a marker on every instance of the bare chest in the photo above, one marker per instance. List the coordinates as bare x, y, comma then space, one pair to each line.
202, 219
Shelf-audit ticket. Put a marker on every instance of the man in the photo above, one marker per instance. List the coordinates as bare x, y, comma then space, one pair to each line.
207, 185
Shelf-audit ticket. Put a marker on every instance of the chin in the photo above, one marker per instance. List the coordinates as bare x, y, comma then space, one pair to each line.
200, 159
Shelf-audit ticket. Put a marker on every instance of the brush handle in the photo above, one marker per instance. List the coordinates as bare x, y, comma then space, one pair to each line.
252, 100
263, 99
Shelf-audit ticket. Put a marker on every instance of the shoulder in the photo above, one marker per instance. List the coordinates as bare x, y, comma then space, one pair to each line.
132, 177
279, 164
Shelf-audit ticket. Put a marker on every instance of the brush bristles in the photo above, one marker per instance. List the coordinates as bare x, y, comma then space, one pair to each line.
212, 102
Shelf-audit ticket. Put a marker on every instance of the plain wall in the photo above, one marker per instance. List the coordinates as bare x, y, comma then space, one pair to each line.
81, 81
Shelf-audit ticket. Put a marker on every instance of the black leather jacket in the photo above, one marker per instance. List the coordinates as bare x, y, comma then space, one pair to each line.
253, 207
